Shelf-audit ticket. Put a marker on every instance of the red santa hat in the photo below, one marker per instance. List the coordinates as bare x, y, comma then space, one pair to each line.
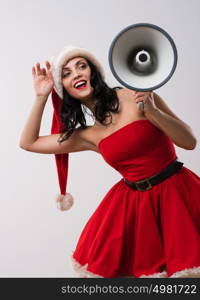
65, 200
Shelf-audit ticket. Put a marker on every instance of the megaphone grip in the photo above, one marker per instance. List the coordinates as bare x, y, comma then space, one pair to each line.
141, 105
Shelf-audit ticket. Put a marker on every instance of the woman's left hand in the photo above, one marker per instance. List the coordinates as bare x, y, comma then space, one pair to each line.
148, 106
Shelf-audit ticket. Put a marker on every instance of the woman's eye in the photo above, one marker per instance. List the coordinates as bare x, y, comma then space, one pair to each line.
83, 66
66, 74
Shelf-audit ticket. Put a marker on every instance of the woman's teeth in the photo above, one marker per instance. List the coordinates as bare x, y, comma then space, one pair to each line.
80, 85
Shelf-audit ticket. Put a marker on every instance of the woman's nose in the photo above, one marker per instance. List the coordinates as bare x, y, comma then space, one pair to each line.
76, 73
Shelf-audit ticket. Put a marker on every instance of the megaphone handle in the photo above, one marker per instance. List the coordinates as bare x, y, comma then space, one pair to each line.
141, 105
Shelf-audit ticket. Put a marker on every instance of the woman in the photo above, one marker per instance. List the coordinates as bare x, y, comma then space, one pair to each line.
148, 224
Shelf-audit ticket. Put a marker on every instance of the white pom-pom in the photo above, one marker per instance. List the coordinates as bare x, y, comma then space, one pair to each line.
64, 202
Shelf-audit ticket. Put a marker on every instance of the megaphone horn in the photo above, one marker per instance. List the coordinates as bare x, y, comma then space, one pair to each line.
143, 57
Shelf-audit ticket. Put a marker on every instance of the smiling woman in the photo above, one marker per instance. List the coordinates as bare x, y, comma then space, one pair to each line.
82, 85
137, 229
76, 68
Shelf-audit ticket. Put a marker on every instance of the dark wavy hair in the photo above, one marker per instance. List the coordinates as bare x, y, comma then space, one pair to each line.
71, 113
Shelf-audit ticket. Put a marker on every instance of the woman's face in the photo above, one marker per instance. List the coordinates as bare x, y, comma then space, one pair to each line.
76, 78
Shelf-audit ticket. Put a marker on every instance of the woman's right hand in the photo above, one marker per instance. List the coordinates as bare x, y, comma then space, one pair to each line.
43, 80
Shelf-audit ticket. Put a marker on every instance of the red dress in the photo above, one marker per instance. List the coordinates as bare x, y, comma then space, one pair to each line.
153, 233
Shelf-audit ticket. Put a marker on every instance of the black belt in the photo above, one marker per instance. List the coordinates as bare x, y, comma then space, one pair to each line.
147, 183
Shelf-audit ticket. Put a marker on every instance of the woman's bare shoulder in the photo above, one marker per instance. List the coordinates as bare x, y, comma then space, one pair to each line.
127, 111
88, 134
125, 93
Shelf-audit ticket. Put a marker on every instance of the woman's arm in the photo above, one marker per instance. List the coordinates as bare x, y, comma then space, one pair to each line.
31, 129
30, 139
177, 130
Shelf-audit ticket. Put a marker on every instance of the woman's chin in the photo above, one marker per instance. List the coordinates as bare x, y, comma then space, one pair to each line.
83, 94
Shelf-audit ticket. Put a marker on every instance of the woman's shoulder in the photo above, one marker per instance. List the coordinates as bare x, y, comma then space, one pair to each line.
87, 134
125, 93
127, 110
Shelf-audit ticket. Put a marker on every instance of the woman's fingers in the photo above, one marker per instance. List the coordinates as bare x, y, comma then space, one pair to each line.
37, 70
33, 71
44, 71
142, 93
48, 65
138, 97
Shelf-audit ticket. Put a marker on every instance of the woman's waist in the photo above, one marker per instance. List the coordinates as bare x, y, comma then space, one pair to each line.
144, 169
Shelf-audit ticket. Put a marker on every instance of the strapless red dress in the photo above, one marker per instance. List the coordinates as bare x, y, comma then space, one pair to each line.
153, 233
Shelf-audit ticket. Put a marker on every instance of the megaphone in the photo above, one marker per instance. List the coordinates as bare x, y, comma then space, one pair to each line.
143, 57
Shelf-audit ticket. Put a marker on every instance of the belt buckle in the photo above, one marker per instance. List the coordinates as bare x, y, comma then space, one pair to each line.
142, 181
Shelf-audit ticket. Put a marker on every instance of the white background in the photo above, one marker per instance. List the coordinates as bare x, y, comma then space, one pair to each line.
36, 238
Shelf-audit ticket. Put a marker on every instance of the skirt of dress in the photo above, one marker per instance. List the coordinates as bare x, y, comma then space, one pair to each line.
155, 233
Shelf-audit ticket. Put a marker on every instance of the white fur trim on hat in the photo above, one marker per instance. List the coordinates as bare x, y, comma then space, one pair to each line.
67, 53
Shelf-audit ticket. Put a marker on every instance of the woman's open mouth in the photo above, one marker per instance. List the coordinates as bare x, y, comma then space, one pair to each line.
80, 84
